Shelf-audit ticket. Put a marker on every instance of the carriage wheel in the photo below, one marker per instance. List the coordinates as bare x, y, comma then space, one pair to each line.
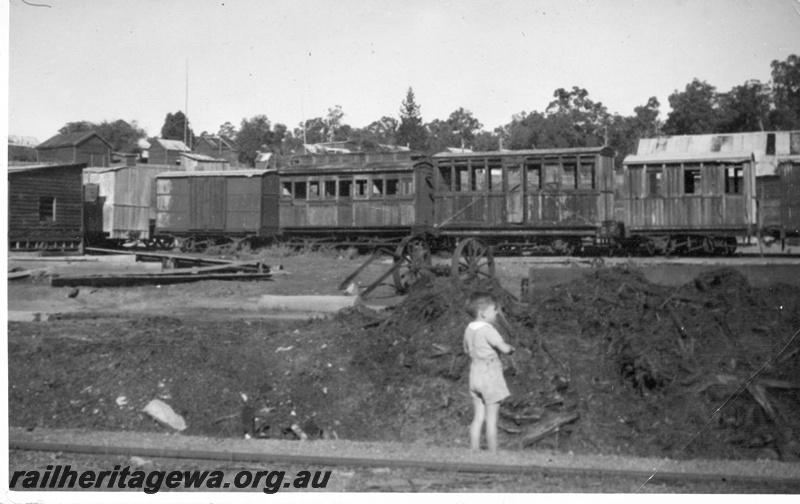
471, 258
415, 255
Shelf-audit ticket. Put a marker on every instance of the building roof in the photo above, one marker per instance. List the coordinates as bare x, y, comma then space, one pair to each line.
218, 142
70, 140
23, 141
202, 157
42, 167
263, 157
529, 152
173, 145
685, 157
214, 173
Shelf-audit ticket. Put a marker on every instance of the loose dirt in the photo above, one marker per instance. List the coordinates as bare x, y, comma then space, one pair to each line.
704, 370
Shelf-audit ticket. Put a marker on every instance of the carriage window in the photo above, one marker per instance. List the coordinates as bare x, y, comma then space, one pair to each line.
534, 177
47, 209
406, 186
330, 188
568, 173
770, 144
286, 189
586, 176
361, 188
691, 180
377, 187
478, 179
313, 189
445, 179
655, 181
551, 176
734, 180
345, 188
392, 186
300, 190
495, 179
514, 174
462, 180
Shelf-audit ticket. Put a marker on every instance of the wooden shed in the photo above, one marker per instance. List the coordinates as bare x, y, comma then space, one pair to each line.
126, 197
84, 147
45, 207
218, 147
217, 203
191, 161
166, 152
689, 192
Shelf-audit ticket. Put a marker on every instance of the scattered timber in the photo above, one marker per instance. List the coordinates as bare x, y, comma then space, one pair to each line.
229, 271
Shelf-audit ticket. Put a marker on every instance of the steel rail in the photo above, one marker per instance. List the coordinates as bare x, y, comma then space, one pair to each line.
445, 466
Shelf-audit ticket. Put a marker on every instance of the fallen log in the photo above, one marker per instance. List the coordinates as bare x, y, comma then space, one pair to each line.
550, 425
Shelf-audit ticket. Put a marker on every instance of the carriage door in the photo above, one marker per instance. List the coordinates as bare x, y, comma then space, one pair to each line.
207, 203
514, 211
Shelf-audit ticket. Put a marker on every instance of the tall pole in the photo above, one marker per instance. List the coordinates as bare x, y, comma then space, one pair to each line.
186, 115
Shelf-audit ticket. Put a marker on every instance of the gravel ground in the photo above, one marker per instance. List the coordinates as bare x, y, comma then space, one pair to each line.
399, 453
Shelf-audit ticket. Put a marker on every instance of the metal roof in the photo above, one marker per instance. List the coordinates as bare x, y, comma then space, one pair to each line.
216, 141
43, 166
23, 141
175, 145
685, 157
215, 173
70, 140
528, 152
202, 157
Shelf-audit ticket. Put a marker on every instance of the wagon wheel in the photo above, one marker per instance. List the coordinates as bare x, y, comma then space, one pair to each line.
471, 258
415, 255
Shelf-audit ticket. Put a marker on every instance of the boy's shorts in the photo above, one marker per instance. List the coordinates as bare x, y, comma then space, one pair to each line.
486, 381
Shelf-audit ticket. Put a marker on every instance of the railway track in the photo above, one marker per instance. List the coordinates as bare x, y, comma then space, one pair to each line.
413, 461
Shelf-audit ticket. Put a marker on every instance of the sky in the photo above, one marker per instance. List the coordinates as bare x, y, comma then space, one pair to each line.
96, 60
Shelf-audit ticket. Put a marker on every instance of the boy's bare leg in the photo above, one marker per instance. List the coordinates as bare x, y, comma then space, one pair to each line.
477, 423
492, 413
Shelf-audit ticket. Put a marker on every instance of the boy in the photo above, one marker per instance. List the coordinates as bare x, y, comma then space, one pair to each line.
486, 383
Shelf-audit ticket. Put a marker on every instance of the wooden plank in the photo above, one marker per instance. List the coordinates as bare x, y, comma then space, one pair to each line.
150, 279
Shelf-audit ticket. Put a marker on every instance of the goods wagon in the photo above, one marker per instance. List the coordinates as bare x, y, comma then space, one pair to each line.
779, 200
687, 202
212, 205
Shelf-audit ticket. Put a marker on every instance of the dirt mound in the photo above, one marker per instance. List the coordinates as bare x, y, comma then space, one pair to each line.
608, 363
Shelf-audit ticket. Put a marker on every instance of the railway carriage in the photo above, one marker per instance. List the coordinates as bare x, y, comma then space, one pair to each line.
688, 202
355, 198
558, 200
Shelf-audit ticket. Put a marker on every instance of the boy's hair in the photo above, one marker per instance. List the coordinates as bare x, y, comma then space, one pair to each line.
478, 301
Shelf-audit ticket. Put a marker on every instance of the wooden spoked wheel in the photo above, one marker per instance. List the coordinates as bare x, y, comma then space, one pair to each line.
414, 254
472, 258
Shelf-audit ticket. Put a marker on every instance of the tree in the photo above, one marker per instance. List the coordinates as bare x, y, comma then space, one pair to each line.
227, 130
254, 134
77, 127
173, 128
694, 111
382, 131
745, 108
786, 93
410, 131
574, 120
